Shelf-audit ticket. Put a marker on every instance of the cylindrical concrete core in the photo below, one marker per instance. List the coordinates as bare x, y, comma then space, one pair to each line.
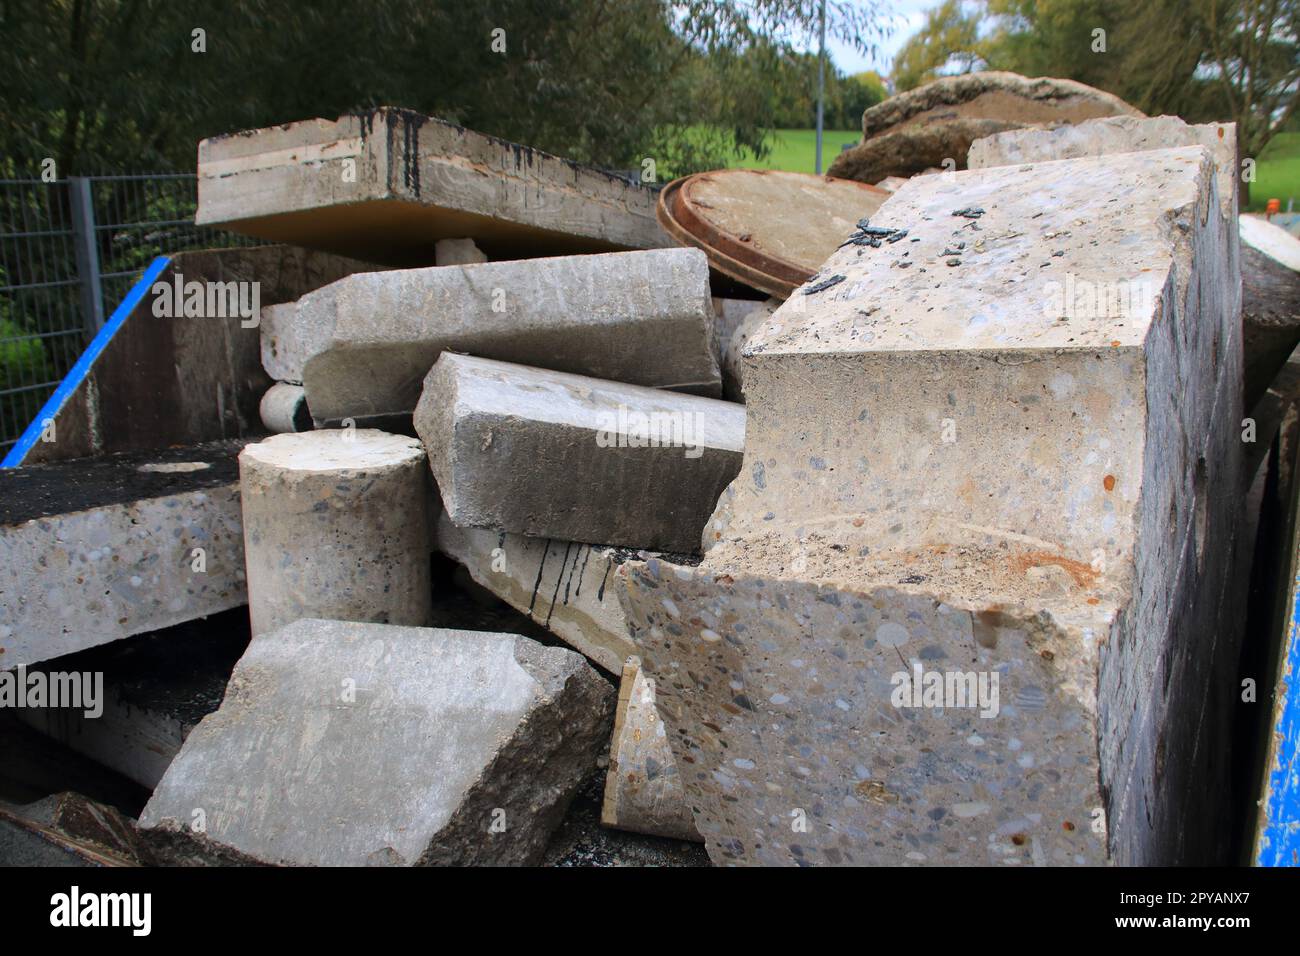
284, 408
336, 525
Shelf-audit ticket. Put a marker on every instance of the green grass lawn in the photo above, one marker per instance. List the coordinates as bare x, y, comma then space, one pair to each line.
1277, 175
796, 150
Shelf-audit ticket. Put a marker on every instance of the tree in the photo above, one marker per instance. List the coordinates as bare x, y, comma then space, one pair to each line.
1254, 59
950, 38
110, 84
1226, 60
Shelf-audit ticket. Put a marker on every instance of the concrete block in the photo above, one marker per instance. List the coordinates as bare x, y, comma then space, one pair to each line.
92, 551
385, 185
562, 456
967, 599
350, 744
1270, 301
562, 585
643, 791
934, 125
336, 522
733, 367
362, 346
730, 313
1269, 256
457, 252
568, 588
1115, 134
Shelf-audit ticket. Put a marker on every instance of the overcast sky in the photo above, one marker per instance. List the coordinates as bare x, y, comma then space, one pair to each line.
908, 16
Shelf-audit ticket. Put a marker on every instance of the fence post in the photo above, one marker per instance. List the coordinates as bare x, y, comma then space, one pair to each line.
83, 230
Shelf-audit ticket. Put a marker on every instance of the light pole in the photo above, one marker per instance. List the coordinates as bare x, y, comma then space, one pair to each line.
821, 85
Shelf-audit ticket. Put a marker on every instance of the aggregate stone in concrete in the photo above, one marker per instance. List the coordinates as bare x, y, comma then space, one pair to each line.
960, 468
344, 744
93, 551
336, 522
363, 345
579, 459
643, 790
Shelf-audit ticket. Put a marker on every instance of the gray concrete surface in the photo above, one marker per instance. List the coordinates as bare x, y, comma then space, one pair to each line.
336, 522
955, 466
362, 346
561, 456
376, 745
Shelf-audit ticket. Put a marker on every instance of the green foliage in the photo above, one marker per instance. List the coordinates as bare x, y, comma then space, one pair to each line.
1278, 172
1227, 60
22, 360
115, 84
948, 39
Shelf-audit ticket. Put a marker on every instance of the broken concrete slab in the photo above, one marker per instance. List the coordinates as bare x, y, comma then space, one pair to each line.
1270, 301
1115, 134
562, 585
579, 459
385, 185
336, 522
643, 790
362, 346
1027, 505
438, 746
92, 551
934, 125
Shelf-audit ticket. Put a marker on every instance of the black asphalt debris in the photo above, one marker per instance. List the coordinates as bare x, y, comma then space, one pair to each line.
824, 284
869, 235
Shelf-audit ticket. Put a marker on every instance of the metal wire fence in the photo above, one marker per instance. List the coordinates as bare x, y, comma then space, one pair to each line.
70, 249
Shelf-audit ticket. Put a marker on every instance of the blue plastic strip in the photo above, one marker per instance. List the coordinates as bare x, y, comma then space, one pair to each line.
77, 375
1279, 838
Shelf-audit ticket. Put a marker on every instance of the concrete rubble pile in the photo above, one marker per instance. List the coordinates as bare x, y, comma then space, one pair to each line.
938, 561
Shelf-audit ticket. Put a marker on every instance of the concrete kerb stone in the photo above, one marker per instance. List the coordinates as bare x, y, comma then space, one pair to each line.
573, 458
363, 345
